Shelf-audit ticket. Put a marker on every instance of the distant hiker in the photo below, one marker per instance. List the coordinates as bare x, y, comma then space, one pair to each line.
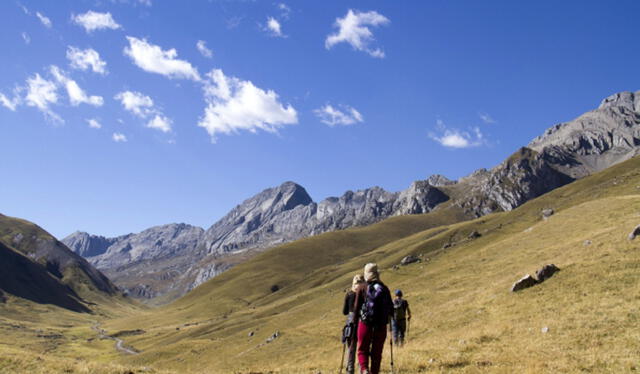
351, 326
401, 313
375, 307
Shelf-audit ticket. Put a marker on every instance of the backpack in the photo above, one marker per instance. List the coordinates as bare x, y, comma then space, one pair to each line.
399, 309
375, 309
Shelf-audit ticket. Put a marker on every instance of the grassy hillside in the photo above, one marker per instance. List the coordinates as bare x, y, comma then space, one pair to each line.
465, 318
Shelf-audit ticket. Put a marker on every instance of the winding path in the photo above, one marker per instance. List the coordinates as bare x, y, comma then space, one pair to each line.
119, 342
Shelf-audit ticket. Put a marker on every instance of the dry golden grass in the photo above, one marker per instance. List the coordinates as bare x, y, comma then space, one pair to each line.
465, 318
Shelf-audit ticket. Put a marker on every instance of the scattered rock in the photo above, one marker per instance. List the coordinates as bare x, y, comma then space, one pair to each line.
546, 213
273, 337
546, 272
524, 282
396, 267
432, 360
275, 288
634, 233
586, 243
177, 328
409, 260
446, 245
251, 333
474, 234
545, 330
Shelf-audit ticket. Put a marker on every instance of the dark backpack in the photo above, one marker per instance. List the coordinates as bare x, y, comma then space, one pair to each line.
399, 309
376, 308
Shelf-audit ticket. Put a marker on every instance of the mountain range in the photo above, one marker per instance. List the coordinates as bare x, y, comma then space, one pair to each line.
164, 262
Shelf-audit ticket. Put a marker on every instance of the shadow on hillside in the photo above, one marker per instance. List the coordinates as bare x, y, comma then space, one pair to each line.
24, 278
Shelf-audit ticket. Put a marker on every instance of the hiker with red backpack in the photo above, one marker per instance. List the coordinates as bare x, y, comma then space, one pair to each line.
375, 307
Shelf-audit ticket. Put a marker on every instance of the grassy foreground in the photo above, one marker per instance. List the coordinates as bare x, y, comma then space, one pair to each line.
465, 318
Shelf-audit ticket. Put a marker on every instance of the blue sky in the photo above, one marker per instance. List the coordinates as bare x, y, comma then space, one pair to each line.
119, 115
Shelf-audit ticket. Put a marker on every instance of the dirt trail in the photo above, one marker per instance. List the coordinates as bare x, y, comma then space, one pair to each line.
119, 342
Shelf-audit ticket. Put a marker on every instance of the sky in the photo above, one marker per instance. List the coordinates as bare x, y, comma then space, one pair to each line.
119, 115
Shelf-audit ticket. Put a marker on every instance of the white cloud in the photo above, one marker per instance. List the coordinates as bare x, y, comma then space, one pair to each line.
40, 94
273, 27
26, 38
84, 59
76, 94
92, 21
486, 118
24, 9
44, 19
160, 122
353, 30
455, 138
333, 116
136, 102
142, 106
119, 137
202, 48
285, 11
234, 105
153, 59
12, 103
94, 124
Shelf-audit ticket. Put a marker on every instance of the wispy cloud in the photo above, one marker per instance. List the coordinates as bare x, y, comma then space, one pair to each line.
153, 59
143, 107
92, 21
76, 94
235, 105
84, 59
119, 137
94, 124
202, 48
26, 38
353, 29
160, 122
285, 10
12, 103
273, 28
344, 116
486, 118
41, 93
456, 138
44, 20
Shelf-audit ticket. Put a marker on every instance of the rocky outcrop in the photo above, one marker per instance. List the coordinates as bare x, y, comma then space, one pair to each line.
595, 140
524, 282
87, 245
546, 272
635, 232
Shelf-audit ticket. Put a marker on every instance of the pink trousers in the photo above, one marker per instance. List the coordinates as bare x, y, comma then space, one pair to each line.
370, 344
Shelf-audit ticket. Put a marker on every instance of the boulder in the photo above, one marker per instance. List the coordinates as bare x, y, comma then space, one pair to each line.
546, 213
634, 233
474, 234
409, 260
273, 337
524, 282
546, 272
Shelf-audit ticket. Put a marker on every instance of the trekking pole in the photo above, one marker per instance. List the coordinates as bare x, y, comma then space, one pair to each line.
342, 358
391, 346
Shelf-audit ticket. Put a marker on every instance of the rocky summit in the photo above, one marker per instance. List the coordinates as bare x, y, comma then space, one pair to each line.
175, 258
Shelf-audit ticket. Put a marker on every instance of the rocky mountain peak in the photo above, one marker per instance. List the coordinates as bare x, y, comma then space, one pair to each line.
626, 99
438, 180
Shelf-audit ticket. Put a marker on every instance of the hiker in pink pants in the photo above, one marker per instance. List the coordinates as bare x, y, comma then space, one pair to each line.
374, 306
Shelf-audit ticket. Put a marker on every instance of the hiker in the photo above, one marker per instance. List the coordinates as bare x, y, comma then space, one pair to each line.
349, 310
375, 307
401, 314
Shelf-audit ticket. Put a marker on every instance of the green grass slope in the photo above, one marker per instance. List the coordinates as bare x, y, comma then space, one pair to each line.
465, 318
